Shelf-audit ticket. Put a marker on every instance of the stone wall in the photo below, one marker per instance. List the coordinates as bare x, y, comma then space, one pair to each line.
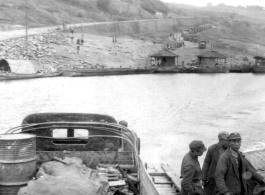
139, 26
8, 27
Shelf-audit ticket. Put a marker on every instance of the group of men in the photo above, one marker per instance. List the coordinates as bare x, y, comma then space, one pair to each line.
225, 170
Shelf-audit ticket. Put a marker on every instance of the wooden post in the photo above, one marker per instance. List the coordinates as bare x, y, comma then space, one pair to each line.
27, 29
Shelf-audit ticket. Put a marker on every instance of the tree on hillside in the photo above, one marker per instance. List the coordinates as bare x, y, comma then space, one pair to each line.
209, 4
152, 6
103, 5
232, 15
221, 4
255, 8
160, 6
241, 7
148, 7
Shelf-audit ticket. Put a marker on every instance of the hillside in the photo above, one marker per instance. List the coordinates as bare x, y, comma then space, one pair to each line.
53, 12
253, 13
233, 24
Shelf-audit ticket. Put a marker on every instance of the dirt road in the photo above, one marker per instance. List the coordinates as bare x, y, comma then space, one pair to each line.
33, 31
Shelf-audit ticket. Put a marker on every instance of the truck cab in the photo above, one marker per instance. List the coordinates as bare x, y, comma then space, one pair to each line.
202, 44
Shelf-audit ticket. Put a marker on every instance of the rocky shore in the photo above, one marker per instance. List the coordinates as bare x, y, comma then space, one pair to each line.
55, 50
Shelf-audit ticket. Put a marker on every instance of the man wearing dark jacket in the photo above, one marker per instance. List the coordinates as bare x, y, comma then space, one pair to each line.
191, 170
230, 169
210, 162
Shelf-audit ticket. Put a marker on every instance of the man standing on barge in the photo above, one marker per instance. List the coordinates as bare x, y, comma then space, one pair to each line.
231, 167
191, 170
210, 163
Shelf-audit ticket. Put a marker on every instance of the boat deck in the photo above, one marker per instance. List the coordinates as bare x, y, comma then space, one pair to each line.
166, 183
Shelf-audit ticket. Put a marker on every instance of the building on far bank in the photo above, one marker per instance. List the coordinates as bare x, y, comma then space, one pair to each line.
164, 58
212, 61
259, 61
259, 66
159, 14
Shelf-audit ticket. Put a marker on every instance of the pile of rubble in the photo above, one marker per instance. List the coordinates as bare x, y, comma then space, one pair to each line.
41, 50
37, 45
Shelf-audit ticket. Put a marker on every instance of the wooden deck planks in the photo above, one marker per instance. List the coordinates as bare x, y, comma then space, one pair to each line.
174, 177
163, 182
167, 182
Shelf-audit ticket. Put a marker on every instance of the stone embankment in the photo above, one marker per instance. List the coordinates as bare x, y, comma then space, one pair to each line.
235, 59
37, 48
55, 50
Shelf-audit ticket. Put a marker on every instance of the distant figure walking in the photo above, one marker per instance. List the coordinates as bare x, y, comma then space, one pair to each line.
114, 39
82, 40
72, 30
78, 42
72, 38
78, 49
64, 27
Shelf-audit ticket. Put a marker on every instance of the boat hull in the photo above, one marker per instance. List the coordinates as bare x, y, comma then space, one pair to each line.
105, 72
191, 70
167, 70
258, 69
240, 69
147, 186
215, 70
14, 76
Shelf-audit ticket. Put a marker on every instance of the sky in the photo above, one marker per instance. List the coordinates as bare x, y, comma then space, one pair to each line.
216, 2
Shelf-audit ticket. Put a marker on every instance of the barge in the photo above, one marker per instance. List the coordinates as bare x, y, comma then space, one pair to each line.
107, 72
16, 76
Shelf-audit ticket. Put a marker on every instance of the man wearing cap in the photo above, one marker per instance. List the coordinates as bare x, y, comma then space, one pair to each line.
210, 163
191, 170
231, 167
126, 146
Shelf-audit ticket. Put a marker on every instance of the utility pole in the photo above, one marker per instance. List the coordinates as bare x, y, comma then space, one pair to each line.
120, 6
27, 29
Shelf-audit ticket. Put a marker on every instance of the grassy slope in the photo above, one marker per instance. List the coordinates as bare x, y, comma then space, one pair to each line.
52, 12
237, 31
236, 23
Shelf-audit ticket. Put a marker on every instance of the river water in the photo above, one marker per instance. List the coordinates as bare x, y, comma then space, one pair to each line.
167, 111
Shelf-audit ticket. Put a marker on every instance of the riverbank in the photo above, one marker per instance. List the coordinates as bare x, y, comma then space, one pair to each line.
56, 50
53, 49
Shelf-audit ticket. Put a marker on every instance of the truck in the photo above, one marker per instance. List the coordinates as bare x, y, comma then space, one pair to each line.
195, 38
202, 44
191, 38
